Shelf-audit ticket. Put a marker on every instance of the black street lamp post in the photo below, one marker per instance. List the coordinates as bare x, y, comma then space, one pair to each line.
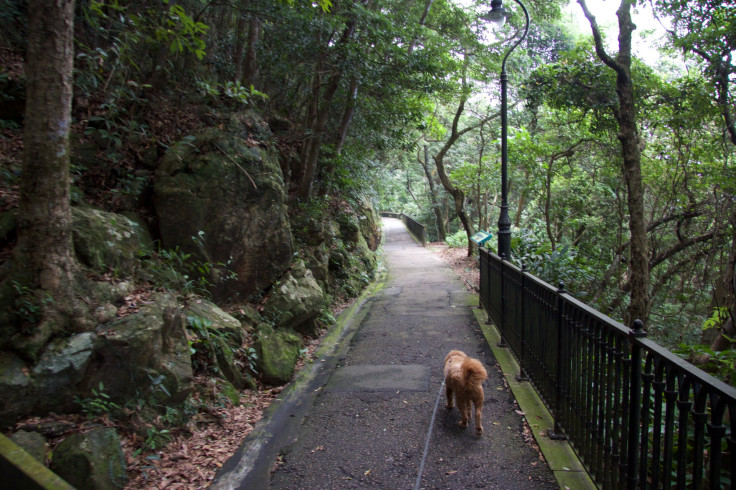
498, 16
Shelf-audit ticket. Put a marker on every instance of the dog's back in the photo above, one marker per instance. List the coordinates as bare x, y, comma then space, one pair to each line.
464, 378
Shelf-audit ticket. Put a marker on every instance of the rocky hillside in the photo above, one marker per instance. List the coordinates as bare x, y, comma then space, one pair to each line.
197, 263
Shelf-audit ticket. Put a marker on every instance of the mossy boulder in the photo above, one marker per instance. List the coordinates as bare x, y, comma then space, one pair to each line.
214, 182
295, 300
91, 461
143, 354
107, 241
225, 323
16, 388
278, 352
370, 224
33, 443
60, 369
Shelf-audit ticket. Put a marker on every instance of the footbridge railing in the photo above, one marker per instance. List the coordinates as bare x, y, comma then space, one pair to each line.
417, 229
637, 415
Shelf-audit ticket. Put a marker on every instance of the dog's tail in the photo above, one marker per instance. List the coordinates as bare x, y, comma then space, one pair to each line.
473, 370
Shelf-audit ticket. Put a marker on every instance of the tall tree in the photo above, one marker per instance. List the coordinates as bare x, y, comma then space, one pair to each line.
458, 195
628, 136
439, 219
43, 260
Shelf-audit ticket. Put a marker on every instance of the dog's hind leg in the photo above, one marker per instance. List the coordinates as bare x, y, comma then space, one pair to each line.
478, 416
464, 406
450, 397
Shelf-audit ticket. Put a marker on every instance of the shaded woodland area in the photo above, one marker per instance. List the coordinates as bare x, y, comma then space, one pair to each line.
622, 179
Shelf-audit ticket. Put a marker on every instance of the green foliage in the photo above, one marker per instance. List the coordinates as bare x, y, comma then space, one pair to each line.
155, 439
717, 319
157, 384
180, 271
206, 340
98, 404
182, 32
551, 265
203, 342
458, 239
13, 18
721, 364
26, 306
241, 94
231, 91
251, 358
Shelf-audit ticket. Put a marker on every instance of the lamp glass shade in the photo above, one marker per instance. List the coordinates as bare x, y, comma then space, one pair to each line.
497, 20
497, 16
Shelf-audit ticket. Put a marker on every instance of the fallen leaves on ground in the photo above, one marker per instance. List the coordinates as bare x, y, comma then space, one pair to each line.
191, 459
464, 266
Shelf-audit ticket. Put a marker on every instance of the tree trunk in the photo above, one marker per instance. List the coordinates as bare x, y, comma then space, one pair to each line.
458, 196
250, 64
347, 116
43, 258
436, 209
310, 153
239, 43
727, 296
628, 135
422, 21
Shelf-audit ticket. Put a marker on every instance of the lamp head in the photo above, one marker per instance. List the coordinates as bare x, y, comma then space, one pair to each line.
498, 15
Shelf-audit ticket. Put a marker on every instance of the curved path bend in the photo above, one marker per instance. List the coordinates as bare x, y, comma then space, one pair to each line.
364, 417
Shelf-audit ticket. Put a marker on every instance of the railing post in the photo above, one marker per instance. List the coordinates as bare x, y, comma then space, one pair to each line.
502, 328
555, 433
632, 458
522, 375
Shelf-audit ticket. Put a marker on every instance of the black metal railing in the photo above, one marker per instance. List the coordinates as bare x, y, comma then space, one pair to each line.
637, 415
415, 228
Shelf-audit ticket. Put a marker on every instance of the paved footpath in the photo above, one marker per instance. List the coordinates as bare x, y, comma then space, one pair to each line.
368, 417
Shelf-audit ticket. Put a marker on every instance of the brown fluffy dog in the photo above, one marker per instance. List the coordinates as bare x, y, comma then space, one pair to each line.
464, 377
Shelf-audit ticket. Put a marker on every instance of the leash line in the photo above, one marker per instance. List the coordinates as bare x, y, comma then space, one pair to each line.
429, 437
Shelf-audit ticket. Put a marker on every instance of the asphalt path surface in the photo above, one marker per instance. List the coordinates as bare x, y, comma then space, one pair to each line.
378, 419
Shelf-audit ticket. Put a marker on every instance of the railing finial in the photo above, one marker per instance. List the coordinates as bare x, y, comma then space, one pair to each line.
638, 330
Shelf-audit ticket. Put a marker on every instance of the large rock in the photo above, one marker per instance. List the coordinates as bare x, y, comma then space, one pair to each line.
61, 367
105, 240
352, 264
221, 321
223, 335
296, 299
214, 182
278, 352
144, 354
31, 442
370, 225
16, 388
92, 460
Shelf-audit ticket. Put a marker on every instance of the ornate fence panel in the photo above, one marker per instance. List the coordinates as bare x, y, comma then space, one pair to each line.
637, 415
